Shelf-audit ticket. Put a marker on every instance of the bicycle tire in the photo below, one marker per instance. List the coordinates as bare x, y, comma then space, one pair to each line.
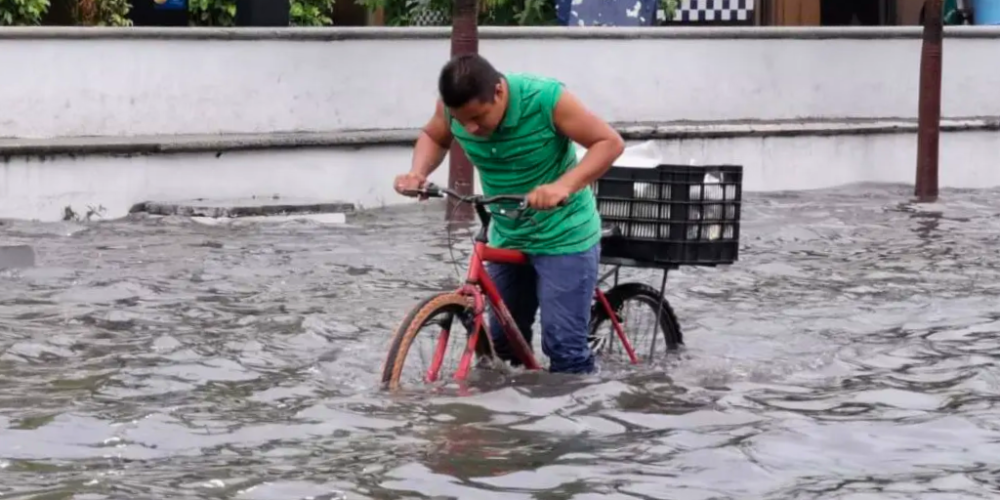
618, 295
417, 317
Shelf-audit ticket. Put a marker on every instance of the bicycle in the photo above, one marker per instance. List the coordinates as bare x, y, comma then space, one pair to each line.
468, 304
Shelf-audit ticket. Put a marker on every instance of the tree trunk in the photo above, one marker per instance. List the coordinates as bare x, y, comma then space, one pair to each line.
929, 121
464, 40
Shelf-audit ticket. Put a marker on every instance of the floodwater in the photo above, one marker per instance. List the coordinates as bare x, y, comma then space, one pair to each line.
850, 354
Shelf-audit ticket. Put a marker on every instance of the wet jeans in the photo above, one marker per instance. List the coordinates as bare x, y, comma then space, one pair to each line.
562, 286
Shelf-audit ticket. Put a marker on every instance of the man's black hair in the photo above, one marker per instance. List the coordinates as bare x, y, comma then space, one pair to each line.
467, 77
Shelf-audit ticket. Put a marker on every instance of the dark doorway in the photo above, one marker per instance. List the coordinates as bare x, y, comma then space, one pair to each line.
153, 13
850, 12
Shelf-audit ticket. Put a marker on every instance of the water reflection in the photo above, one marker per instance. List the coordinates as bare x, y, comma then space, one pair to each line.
850, 354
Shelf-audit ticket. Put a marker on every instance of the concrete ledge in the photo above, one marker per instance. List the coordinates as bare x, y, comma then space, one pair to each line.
107, 186
332, 218
796, 128
489, 33
405, 137
202, 143
250, 208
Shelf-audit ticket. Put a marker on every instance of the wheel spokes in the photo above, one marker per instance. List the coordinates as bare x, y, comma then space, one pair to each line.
643, 338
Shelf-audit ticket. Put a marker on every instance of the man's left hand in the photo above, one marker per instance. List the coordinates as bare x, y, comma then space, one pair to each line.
547, 196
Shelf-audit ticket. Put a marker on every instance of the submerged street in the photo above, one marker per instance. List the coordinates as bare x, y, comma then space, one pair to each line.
850, 354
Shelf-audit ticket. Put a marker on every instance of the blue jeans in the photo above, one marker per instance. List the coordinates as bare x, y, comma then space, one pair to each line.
563, 286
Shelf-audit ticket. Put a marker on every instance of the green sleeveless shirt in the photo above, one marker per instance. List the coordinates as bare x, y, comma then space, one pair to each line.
524, 152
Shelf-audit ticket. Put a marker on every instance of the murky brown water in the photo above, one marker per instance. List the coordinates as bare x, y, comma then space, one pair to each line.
851, 353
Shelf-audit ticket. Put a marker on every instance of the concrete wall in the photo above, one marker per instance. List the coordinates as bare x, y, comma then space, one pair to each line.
94, 82
41, 190
109, 118
34, 188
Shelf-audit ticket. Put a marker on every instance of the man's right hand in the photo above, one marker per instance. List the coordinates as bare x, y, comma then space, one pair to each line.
409, 182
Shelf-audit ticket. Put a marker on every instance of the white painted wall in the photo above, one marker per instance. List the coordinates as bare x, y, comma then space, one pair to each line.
112, 83
146, 85
33, 190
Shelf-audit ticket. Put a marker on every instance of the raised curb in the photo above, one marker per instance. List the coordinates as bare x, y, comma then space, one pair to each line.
223, 210
406, 137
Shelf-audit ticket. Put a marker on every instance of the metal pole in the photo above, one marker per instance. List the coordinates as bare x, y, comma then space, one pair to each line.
464, 40
928, 132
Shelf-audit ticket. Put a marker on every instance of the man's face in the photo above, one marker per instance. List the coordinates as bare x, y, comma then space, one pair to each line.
482, 118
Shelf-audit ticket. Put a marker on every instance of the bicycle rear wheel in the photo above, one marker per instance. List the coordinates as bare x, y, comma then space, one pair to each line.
440, 310
648, 346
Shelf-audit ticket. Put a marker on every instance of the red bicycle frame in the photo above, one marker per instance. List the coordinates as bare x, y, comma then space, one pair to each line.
482, 289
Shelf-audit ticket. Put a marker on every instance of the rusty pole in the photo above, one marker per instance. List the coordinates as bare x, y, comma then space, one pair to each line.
464, 40
929, 119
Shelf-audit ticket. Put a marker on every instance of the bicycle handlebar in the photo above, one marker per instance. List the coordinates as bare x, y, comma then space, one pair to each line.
435, 191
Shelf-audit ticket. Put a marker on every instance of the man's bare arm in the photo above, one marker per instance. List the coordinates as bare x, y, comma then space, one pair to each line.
432, 144
604, 144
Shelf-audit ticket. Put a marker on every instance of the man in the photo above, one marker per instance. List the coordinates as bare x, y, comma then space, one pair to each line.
518, 130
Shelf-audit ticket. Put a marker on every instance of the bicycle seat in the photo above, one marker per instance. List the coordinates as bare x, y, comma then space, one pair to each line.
610, 232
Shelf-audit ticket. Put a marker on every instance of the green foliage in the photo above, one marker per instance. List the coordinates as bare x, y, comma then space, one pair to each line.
492, 12
312, 12
22, 12
518, 13
223, 12
113, 13
669, 7
212, 12
404, 12
102, 12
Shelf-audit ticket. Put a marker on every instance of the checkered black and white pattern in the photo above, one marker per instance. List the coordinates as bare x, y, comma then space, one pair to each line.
428, 17
714, 11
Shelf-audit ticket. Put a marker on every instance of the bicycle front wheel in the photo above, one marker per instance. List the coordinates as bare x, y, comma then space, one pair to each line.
443, 313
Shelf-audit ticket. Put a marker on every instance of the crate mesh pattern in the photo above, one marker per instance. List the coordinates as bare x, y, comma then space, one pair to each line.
672, 214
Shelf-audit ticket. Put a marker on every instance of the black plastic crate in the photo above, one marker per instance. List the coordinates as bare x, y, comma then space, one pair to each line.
672, 215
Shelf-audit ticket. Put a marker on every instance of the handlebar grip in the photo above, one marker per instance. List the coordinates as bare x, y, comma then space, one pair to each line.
429, 190
432, 191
